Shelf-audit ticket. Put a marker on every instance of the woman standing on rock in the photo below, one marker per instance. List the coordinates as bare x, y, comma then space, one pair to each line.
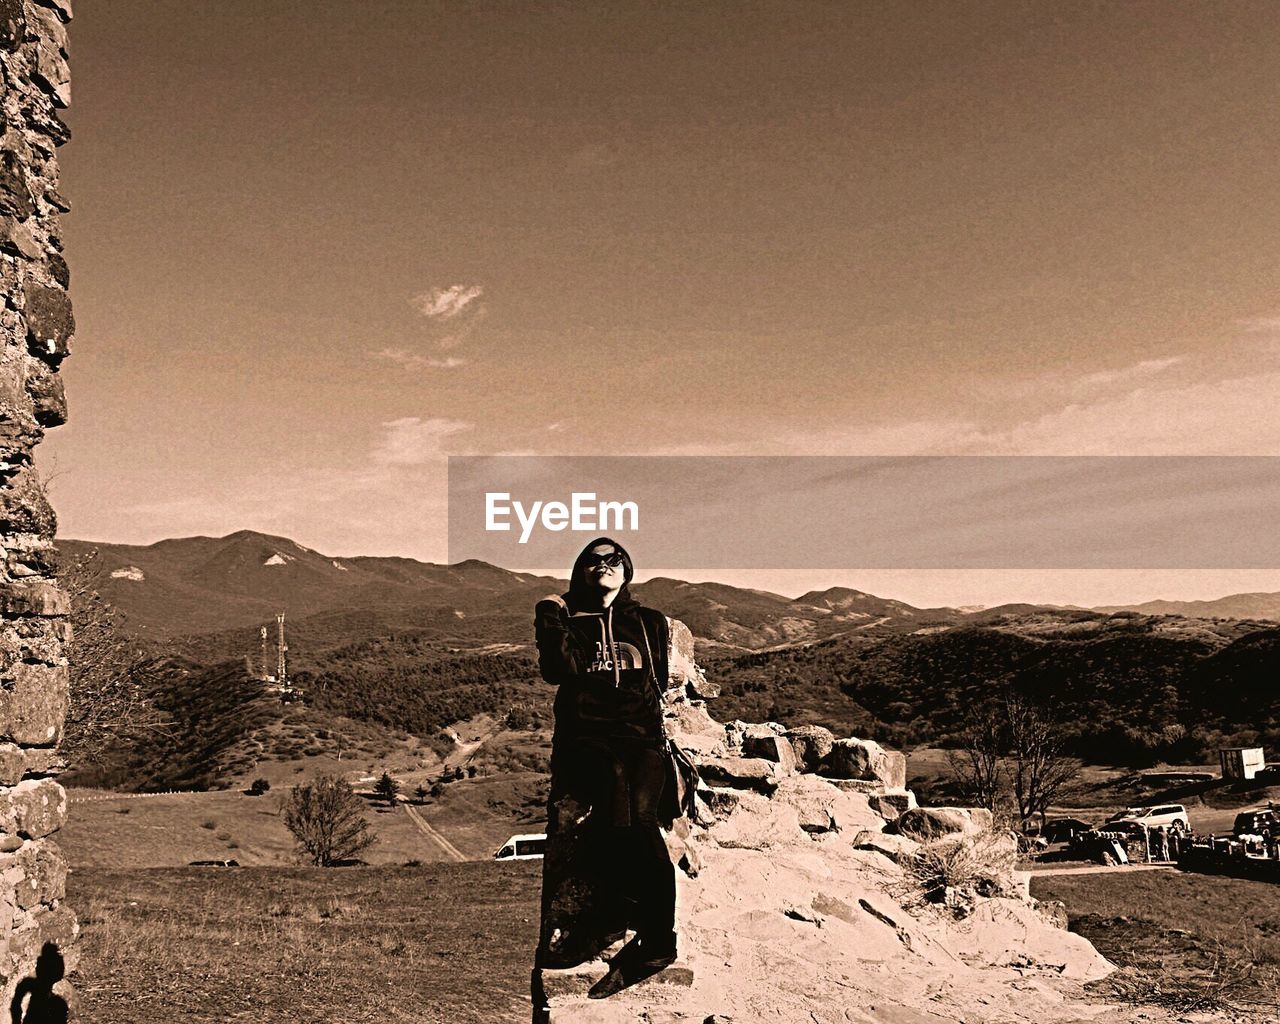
607, 866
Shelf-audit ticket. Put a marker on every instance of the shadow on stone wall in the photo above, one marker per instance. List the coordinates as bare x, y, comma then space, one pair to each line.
34, 1001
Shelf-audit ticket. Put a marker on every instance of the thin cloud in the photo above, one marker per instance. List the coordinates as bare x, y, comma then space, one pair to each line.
414, 441
448, 303
416, 361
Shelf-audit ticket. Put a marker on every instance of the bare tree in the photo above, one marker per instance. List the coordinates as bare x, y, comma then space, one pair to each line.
1038, 766
327, 820
110, 674
976, 762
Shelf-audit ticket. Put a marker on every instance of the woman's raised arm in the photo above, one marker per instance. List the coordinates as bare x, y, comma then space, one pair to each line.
557, 657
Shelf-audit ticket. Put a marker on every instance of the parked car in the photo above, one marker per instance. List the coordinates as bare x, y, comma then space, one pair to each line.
530, 846
1171, 816
1060, 830
1256, 823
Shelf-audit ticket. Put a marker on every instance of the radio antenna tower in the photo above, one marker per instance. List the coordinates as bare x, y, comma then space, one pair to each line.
281, 648
265, 672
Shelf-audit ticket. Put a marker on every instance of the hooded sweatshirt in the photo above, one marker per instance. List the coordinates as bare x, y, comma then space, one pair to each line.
600, 659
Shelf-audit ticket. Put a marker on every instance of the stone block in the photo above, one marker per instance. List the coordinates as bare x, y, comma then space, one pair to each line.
58, 926
51, 73
50, 322
822, 807
685, 720
866, 759
15, 196
36, 872
574, 982
33, 710
33, 808
895, 848
893, 804
868, 787
811, 743
772, 748
13, 24
759, 824
24, 507
40, 598
62, 8
58, 268
16, 239
50, 27
702, 688
754, 773
681, 664
13, 764
42, 761
814, 805
925, 823
48, 396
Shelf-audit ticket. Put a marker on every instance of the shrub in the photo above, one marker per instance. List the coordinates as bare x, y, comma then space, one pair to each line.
956, 868
327, 821
210, 824
258, 787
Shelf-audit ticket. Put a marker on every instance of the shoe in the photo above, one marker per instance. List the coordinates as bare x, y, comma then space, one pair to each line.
657, 952
633, 963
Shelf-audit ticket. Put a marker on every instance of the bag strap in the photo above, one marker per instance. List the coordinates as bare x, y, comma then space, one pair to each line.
653, 676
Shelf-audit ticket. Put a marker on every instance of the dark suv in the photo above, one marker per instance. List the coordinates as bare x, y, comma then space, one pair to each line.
1256, 823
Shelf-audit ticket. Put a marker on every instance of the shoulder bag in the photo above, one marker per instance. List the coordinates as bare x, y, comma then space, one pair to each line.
679, 795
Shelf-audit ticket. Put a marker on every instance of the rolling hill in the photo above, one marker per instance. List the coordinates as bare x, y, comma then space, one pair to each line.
392, 646
208, 597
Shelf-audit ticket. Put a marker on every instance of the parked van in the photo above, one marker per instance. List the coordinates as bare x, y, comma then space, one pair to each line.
1171, 816
524, 847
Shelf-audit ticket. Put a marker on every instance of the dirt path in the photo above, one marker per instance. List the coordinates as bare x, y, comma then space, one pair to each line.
1098, 869
451, 851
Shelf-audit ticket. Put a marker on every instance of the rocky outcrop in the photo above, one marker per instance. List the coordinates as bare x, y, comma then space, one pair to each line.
809, 897
37, 327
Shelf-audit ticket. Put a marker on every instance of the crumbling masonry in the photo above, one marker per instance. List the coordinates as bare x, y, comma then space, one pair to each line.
37, 930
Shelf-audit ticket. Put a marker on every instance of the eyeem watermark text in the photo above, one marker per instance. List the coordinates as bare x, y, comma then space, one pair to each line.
582, 513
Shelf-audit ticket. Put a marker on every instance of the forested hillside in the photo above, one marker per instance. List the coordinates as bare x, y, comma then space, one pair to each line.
1130, 689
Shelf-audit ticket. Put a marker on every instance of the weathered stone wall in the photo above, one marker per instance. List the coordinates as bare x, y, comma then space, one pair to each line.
37, 931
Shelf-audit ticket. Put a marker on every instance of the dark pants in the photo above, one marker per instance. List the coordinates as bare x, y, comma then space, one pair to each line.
622, 782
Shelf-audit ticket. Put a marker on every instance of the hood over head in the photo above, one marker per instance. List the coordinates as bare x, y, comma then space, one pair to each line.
578, 577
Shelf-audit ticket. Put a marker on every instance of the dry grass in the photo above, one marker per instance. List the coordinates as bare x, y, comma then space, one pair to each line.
1187, 941
952, 869
439, 943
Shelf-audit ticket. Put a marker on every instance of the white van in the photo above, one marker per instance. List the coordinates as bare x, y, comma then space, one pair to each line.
1171, 816
524, 847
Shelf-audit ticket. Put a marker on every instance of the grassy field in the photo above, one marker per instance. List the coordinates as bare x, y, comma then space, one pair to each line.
1184, 940
171, 830
439, 943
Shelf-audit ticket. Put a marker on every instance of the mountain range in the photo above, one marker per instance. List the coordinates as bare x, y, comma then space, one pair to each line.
217, 592
396, 644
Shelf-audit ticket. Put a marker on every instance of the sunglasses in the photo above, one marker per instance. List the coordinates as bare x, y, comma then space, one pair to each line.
610, 561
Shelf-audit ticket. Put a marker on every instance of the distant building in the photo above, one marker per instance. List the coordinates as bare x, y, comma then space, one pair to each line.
1241, 762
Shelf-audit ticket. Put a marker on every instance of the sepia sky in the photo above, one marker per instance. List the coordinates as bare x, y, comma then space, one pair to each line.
317, 247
